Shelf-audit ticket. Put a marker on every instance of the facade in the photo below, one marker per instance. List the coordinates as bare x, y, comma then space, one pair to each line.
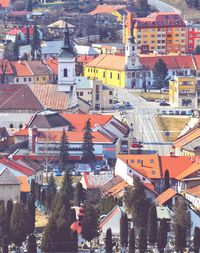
182, 91
22, 32
193, 36
162, 32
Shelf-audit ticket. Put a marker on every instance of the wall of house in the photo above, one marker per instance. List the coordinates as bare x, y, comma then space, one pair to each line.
11, 119
44, 79
24, 80
85, 94
10, 192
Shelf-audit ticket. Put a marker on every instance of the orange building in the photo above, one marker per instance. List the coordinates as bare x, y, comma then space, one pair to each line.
162, 32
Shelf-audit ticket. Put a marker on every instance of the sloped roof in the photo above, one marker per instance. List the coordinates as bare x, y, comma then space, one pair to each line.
96, 181
107, 61
24, 185
165, 196
60, 24
106, 9
85, 58
195, 191
190, 170
18, 97
105, 188
4, 3
39, 68
20, 68
188, 137
197, 61
7, 178
53, 65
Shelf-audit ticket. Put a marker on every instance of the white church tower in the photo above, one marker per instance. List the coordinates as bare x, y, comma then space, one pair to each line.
66, 71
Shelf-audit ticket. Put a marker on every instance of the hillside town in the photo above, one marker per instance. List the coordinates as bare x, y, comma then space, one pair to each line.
100, 126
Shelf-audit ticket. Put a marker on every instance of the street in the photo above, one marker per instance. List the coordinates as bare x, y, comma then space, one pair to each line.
142, 119
163, 7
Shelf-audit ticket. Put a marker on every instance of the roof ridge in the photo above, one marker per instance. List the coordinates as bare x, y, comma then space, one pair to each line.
13, 95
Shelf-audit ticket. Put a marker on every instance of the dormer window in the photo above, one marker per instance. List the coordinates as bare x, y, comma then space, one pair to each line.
65, 73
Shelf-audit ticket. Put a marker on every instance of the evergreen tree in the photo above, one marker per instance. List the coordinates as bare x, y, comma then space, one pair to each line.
49, 237
32, 246
160, 73
166, 182
136, 200
16, 49
162, 235
67, 187
18, 224
33, 188
4, 229
29, 5
87, 147
108, 242
107, 204
74, 246
64, 147
78, 195
72, 216
90, 220
196, 240
50, 192
131, 241
28, 33
5, 243
35, 44
142, 241
30, 215
124, 230
197, 50
152, 225
43, 197
9, 209
37, 191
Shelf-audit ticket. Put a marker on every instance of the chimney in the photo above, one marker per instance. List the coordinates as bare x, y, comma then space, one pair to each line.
34, 136
19, 61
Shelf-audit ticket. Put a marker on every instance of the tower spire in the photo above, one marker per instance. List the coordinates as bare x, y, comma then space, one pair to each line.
66, 44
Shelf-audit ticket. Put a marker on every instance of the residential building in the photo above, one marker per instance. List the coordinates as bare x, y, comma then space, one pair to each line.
160, 32
109, 48
9, 186
193, 195
57, 28
182, 91
193, 36
95, 93
22, 73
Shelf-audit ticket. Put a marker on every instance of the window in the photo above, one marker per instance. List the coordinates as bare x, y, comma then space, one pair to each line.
24, 79
139, 161
44, 78
37, 78
17, 80
11, 126
104, 74
81, 93
110, 75
29, 79
132, 161
65, 73
110, 101
20, 126
118, 76
111, 92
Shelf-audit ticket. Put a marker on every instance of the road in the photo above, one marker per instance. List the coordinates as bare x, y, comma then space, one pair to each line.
163, 7
143, 122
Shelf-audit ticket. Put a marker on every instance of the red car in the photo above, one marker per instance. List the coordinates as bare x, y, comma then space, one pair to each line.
137, 145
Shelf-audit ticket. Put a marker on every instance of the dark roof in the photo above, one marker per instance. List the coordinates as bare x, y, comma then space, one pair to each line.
7, 178
18, 97
48, 119
39, 68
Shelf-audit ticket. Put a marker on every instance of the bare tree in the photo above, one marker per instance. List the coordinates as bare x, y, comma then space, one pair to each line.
4, 64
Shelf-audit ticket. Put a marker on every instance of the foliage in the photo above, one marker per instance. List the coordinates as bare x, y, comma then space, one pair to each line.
197, 50
142, 241
35, 44
162, 235
18, 224
131, 241
166, 182
30, 215
196, 240
28, 32
16, 49
90, 220
143, 7
33, 188
5, 243
79, 194
4, 229
29, 5
160, 73
108, 241
32, 246
124, 230
87, 147
64, 147
136, 200
152, 225
107, 204
50, 192
43, 197
67, 187
49, 237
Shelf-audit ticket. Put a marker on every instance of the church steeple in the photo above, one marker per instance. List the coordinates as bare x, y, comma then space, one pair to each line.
67, 46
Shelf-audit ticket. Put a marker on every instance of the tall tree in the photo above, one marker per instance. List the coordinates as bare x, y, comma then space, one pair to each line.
131, 241
124, 230
74, 240
4, 229
29, 5
136, 200
196, 240
30, 215
152, 225
33, 188
197, 50
67, 187
160, 73
43, 197
18, 224
5, 243
108, 241
162, 235
16, 49
78, 195
28, 34
35, 44
87, 147
142, 241
90, 220
4, 66
166, 180
64, 148
50, 192
9, 209
49, 237
32, 246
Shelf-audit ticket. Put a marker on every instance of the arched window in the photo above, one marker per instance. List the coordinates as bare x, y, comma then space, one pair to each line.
65, 73
20, 126
11, 126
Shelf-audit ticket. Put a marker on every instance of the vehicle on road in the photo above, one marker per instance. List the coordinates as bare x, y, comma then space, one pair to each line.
136, 144
171, 112
183, 112
164, 103
164, 112
128, 105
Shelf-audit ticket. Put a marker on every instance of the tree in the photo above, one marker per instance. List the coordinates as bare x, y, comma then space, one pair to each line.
152, 225
78, 195
30, 215
28, 32
162, 235
196, 240
124, 230
108, 242
90, 220
32, 246
107, 204
35, 44
166, 180
197, 50
33, 188
43, 197
136, 200
18, 224
74, 245
181, 223
29, 5
50, 192
16, 49
49, 237
4, 65
142, 241
131, 241
87, 147
160, 73
143, 7
4, 229
5, 243
64, 147
67, 187
9, 209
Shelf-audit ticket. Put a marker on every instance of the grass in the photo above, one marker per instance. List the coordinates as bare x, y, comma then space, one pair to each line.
40, 219
152, 96
174, 124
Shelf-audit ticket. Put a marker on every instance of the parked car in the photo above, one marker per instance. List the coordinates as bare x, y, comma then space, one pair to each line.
164, 103
171, 112
189, 112
137, 144
183, 112
164, 112
177, 112
128, 105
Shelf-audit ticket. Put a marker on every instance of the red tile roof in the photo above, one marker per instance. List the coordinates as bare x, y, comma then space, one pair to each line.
24, 185
22, 132
53, 65
20, 68
78, 120
189, 171
189, 136
195, 191
106, 9
85, 58
15, 31
6, 64
165, 196
4, 3
197, 61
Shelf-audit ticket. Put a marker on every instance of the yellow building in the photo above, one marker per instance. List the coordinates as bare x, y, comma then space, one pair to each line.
182, 91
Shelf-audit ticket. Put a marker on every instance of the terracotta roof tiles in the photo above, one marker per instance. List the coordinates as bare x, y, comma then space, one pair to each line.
106, 9
165, 196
